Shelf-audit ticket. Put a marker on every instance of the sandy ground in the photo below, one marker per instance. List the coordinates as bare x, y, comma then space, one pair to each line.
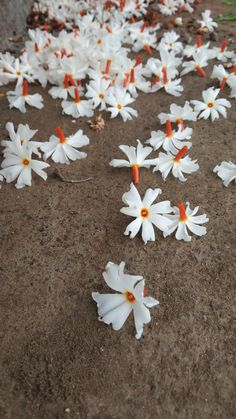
57, 360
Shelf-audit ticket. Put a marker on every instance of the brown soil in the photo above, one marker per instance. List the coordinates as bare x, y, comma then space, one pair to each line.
58, 361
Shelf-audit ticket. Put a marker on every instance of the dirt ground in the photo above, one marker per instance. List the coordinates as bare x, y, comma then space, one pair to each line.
57, 360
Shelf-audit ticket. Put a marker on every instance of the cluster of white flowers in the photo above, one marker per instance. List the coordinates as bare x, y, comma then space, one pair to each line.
90, 65
18, 163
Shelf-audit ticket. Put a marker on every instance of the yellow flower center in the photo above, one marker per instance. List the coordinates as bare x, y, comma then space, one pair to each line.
101, 95
119, 106
210, 105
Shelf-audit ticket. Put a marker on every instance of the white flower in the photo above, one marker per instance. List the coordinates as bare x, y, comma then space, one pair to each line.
98, 90
226, 171
170, 140
145, 213
211, 107
200, 60
178, 164
78, 107
119, 101
20, 166
179, 114
19, 97
222, 53
63, 149
207, 21
168, 7
169, 41
223, 76
132, 296
185, 218
136, 158
24, 134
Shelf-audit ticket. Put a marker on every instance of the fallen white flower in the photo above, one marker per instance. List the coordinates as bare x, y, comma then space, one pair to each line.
211, 107
185, 218
63, 149
20, 166
177, 164
114, 308
20, 96
136, 159
226, 171
145, 213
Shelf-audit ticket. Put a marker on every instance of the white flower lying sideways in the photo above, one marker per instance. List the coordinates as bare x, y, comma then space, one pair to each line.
24, 134
178, 114
226, 171
178, 164
145, 213
63, 149
77, 107
183, 218
20, 96
207, 22
114, 308
211, 107
136, 158
170, 140
20, 165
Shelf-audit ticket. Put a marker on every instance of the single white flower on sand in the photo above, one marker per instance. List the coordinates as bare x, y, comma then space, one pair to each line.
136, 159
177, 164
185, 218
20, 167
207, 22
20, 96
211, 107
132, 296
63, 149
170, 140
226, 171
145, 213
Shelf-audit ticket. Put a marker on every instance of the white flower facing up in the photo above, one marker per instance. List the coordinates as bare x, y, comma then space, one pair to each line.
136, 159
170, 140
185, 218
98, 91
20, 166
77, 107
118, 101
177, 164
63, 149
20, 96
226, 171
146, 213
207, 22
24, 134
132, 296
211, 107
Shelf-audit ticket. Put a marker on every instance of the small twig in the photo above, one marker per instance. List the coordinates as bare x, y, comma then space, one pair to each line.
63, 179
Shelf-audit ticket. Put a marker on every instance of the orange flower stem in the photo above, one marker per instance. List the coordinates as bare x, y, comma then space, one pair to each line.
25, 88
200, 71
181, 152
135, 174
